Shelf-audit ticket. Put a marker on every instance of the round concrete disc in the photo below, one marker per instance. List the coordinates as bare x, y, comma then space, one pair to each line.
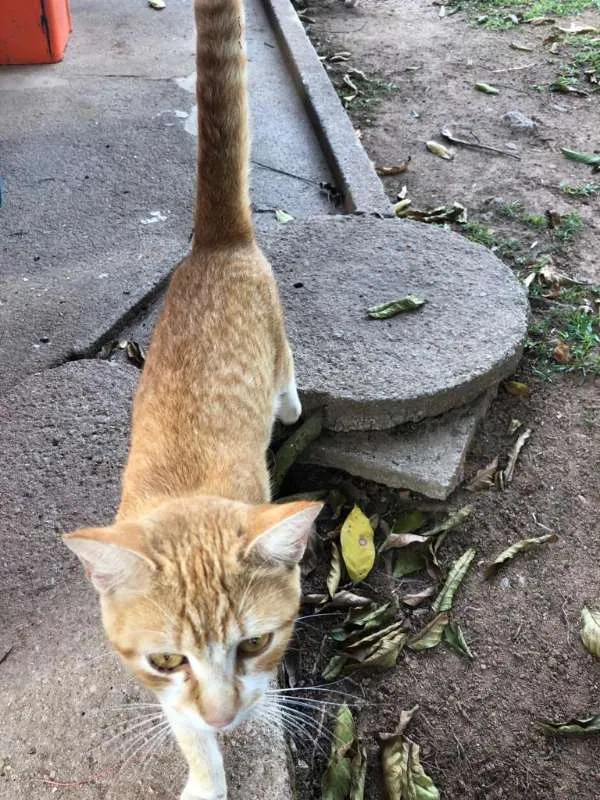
376, 374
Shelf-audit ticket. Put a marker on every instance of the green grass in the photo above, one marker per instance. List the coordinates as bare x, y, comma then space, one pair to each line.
561, 315
577, 329
500, 14
583, 68
568, 227
587, 190
480, 234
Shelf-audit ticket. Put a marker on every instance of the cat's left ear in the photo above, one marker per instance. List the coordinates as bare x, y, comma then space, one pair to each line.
279, 532
112, 556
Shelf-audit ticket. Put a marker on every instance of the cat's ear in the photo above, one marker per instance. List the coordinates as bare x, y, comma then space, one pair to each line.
279, 532
111, 556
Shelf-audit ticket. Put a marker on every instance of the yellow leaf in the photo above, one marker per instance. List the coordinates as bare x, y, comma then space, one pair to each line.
358, 548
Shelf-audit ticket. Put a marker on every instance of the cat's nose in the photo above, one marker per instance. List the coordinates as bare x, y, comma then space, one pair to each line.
219, 719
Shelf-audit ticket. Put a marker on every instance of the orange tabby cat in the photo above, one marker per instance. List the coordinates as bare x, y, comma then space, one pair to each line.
198, 577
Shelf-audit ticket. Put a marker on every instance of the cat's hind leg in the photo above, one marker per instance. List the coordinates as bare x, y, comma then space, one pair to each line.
288, 407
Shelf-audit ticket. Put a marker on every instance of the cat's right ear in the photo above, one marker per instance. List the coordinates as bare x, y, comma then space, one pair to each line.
111, 556
279, 532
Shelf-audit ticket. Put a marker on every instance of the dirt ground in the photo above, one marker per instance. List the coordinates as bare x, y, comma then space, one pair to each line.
477, 720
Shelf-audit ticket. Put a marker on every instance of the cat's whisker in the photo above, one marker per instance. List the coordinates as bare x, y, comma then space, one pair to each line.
138, 744
316, 704
292, 726
286, 690
149, 722
301, 718
317, 616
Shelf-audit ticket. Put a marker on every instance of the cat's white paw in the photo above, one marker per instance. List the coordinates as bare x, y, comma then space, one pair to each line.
196, 791
288, 408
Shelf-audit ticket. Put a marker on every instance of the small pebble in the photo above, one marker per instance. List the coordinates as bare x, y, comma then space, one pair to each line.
518, 121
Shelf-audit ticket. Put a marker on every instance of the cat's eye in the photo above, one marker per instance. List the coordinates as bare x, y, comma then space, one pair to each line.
167, 662
255, 645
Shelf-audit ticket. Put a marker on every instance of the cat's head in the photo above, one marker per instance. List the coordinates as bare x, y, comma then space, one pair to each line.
199, 598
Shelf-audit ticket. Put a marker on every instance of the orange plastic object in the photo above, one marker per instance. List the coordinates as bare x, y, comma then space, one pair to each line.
33, 31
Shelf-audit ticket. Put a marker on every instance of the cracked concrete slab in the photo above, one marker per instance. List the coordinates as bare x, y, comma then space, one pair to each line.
62, 694
427, 457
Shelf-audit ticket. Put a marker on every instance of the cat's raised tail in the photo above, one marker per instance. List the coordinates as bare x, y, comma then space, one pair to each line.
223, 214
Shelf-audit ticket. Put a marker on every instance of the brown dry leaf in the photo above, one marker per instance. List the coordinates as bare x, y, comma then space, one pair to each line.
552, 276
509, 471
393, 169
522, 546
484, 478
405, 718
415, 599
431, 635
335, 570
562, 353
577, 29
401, 540
590, 631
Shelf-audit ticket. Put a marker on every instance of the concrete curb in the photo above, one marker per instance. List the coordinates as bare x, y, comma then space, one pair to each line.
352, 168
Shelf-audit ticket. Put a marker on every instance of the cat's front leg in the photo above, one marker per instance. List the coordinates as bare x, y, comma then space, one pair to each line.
194, 791
203, 755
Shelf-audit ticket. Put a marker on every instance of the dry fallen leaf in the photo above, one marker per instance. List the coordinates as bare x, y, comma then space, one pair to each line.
454, 638
365, 621
517, 388
416, 598
407, 562
404, 777
282, 216
338, 776
431, 634
439, 150
577, 727
386, 310
562, 353
458, 570
393, 169
590, 630
509, 471
552, 276
358, 547
486, 88
484, 478
523, 546
335, 570
577, 29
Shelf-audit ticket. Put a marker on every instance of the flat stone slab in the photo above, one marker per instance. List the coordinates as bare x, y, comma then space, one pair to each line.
377, 374
427, 457
64, 433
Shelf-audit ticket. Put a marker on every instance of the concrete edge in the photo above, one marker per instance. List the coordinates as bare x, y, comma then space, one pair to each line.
351, 166
348, 452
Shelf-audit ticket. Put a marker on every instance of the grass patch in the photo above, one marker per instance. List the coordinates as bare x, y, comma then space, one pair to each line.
568, 227
583, 67
566, 317
503, 14
587, 190
576, 328
480, 234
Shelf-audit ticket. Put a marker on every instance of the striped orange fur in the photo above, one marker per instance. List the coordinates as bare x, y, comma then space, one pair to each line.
199, 570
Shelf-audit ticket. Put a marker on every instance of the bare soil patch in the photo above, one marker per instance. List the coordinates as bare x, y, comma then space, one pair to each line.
477, 720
